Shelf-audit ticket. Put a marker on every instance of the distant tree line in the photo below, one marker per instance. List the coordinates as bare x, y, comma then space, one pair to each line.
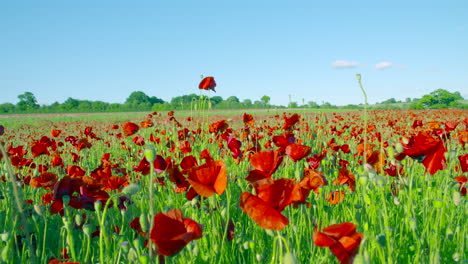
139, 101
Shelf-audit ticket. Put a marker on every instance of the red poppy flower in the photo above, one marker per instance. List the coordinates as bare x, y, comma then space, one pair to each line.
272, 197
82, 144
265, 164
135, 224
153, 138
75, 171
284, 140
430, 149
234, 146
462, 180
18, 151
188, 162
178, 178
290, 121
55, 132
39, 148
463, 162
336, 197
417, 123
185, 147
114, 183
46, 180
208, 178
55, 261
342, 239
312, 180
57, 161
138, 140
297, 152
206, 155
218, 126
147, 123
346, 177
171, 232
208, 83
314, 161
130, 128
451, 125
248, 119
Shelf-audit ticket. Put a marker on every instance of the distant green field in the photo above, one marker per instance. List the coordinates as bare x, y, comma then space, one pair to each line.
38, 119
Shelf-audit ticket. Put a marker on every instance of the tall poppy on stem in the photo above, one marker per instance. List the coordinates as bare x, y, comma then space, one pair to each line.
208, 83
342, 239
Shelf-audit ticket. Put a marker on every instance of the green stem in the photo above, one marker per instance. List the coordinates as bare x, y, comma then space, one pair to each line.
19, 204
358, 77
151, 208
68, 226
103, 229
44, 238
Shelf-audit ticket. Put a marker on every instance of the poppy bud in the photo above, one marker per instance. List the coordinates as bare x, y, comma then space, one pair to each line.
289, 258
195, 250
39, 210
456, 256
359, 259
456, 197
144, 259
150, 154
358, 77
438, 203
144, 222
412, 223
132, 256
131, 189
87, 230
246, 245
259, 257
4, 254
78, 219
363, 180
251, 244
98, 205
5, 236
449, 234
269, 232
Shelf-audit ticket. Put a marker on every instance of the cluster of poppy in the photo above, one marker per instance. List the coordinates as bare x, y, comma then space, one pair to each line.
202, 175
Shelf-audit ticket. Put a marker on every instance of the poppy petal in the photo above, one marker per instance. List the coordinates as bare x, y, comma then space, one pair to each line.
265, 216
339, 230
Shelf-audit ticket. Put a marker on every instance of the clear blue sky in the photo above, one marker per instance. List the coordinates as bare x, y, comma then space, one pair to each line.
311, 50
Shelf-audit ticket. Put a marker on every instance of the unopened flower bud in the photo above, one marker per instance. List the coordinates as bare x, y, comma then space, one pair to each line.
131, 189
150, 154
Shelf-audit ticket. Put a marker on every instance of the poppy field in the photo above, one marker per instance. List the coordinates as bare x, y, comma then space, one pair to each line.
169, 187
